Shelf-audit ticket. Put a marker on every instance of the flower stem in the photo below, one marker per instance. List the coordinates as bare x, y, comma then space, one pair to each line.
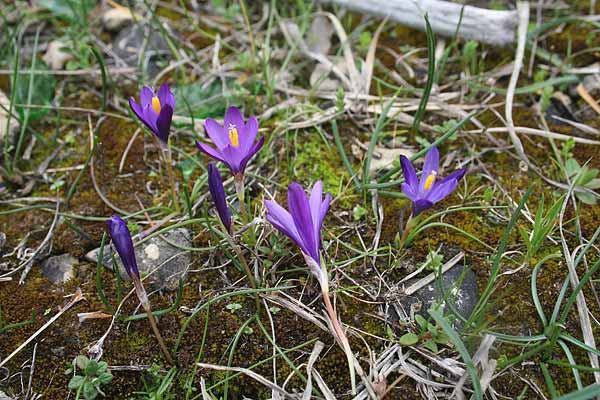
169, 161
141, 293
240, 191
407, 228
339, 332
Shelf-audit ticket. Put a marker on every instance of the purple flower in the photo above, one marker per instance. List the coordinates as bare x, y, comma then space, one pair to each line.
303, 222
156, 111
217, 192
234, 141
425, 192
121, 239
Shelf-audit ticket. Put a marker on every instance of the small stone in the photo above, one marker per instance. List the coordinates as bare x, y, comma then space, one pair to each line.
59, 269
162, 256
55, 56
130, 40
4, 396
152, 252
463, 297
116, 19
14, 123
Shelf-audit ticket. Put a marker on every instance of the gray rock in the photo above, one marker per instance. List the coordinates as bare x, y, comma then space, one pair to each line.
129, 42
59, 269
162, 254
459, 288
4, 396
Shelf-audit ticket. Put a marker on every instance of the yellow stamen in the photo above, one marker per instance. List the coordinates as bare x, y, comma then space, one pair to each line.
429, 181
156, 104
233, 136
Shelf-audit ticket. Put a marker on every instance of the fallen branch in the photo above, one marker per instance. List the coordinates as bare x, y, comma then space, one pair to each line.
480, 24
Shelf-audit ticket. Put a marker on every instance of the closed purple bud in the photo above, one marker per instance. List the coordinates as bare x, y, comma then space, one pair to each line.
121, 239
217, 192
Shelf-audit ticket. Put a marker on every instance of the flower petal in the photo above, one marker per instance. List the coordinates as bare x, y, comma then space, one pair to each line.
456, 175
217, 192
255, 148
163, 123
165, 96
216, 133
233, 116
408, 171
146, 95
316, 198
432, 161
247, 134
421, 205
409, 191
300, 211
209, 151
281, 219
441, 190
322, 213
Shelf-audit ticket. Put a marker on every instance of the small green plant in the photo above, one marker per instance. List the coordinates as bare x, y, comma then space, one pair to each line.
429, 335
543, 226
469, 57
158, 386
95, 374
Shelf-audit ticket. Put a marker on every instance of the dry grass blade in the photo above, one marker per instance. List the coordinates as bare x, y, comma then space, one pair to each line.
262, 380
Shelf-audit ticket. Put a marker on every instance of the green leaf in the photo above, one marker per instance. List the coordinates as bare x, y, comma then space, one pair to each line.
76, 382
586, 198
92, 368
42, 92
421, 321
431, 345
572, 167
81, 361
105, 378
593, 184
409, 339
89, 391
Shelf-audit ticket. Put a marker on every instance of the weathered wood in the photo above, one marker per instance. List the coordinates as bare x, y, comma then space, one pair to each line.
488, 26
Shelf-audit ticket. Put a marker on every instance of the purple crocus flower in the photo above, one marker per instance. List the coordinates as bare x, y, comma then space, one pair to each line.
426, 191
303, 222
156, 110
121, 239
217, 192
234, 140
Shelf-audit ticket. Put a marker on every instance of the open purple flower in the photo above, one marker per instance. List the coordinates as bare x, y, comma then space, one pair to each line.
426, 191
234, 140
217, 192
156, 110
121, 239
303, 222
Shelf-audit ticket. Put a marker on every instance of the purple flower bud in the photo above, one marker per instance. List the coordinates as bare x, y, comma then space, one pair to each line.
303, 222
121, 239
234, 140
427, 190
156, 110
217, 192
